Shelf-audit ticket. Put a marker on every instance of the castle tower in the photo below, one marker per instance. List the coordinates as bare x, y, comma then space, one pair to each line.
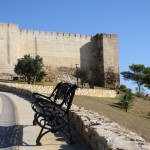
107, 56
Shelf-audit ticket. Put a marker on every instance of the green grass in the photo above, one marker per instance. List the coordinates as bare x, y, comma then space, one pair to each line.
11, 81
23, 82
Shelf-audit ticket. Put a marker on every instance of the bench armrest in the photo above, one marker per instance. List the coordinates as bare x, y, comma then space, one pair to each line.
41, 96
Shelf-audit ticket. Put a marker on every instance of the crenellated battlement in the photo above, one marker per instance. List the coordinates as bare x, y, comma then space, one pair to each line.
9, 26
57, 34
109, 36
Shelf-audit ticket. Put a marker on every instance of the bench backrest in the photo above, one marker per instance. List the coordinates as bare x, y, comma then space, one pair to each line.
61, 97
68, 97
63, 94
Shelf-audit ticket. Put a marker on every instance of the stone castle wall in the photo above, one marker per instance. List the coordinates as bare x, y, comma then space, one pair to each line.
58, 49
9, 46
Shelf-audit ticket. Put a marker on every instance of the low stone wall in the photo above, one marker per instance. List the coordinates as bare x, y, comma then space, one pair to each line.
103, 134
49, 89
100, 132
96, 92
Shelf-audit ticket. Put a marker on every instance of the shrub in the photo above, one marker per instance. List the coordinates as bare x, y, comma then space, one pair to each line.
111, 78
40, 76
83, 74
123, 88
141, 93
126, 101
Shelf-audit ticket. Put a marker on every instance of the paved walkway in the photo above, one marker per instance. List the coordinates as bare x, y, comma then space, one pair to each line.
18, 132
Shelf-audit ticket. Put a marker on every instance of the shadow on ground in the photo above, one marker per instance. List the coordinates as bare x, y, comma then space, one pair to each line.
13, 136
117, 105
9, 136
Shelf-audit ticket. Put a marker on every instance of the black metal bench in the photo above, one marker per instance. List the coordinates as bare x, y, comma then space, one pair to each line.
52, 112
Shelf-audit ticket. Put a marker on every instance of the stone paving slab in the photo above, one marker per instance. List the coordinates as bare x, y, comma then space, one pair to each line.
1, 105
8, 113
28, 133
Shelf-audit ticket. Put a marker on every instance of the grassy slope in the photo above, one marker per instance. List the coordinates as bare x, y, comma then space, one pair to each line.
136, 119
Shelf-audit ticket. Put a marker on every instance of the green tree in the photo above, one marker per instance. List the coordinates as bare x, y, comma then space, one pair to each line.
147, 77
29, 67
83, 74
135, 74
126, 100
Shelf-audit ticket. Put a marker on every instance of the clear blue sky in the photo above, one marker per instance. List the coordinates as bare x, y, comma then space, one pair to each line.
130, 19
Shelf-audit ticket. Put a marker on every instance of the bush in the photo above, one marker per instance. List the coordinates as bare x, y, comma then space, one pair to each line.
141, 93
83, 74
40, 76
146, 98
112, 79
126, 101
123, 88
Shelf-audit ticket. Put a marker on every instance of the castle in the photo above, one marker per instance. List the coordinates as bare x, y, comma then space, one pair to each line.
59, 49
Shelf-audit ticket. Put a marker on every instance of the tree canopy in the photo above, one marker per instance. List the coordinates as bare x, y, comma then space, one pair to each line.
83, 74
147, 77
30, 68
135, 74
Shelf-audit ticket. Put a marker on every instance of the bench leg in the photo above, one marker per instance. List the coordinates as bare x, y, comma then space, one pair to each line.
65, 128
34, 122
35, 117
39, 138
41, 134
67, 131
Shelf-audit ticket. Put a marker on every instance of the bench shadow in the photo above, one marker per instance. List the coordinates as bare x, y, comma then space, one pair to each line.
80, 143
11, 136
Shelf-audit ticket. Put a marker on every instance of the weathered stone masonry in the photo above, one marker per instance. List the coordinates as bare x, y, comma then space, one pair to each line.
59, 49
